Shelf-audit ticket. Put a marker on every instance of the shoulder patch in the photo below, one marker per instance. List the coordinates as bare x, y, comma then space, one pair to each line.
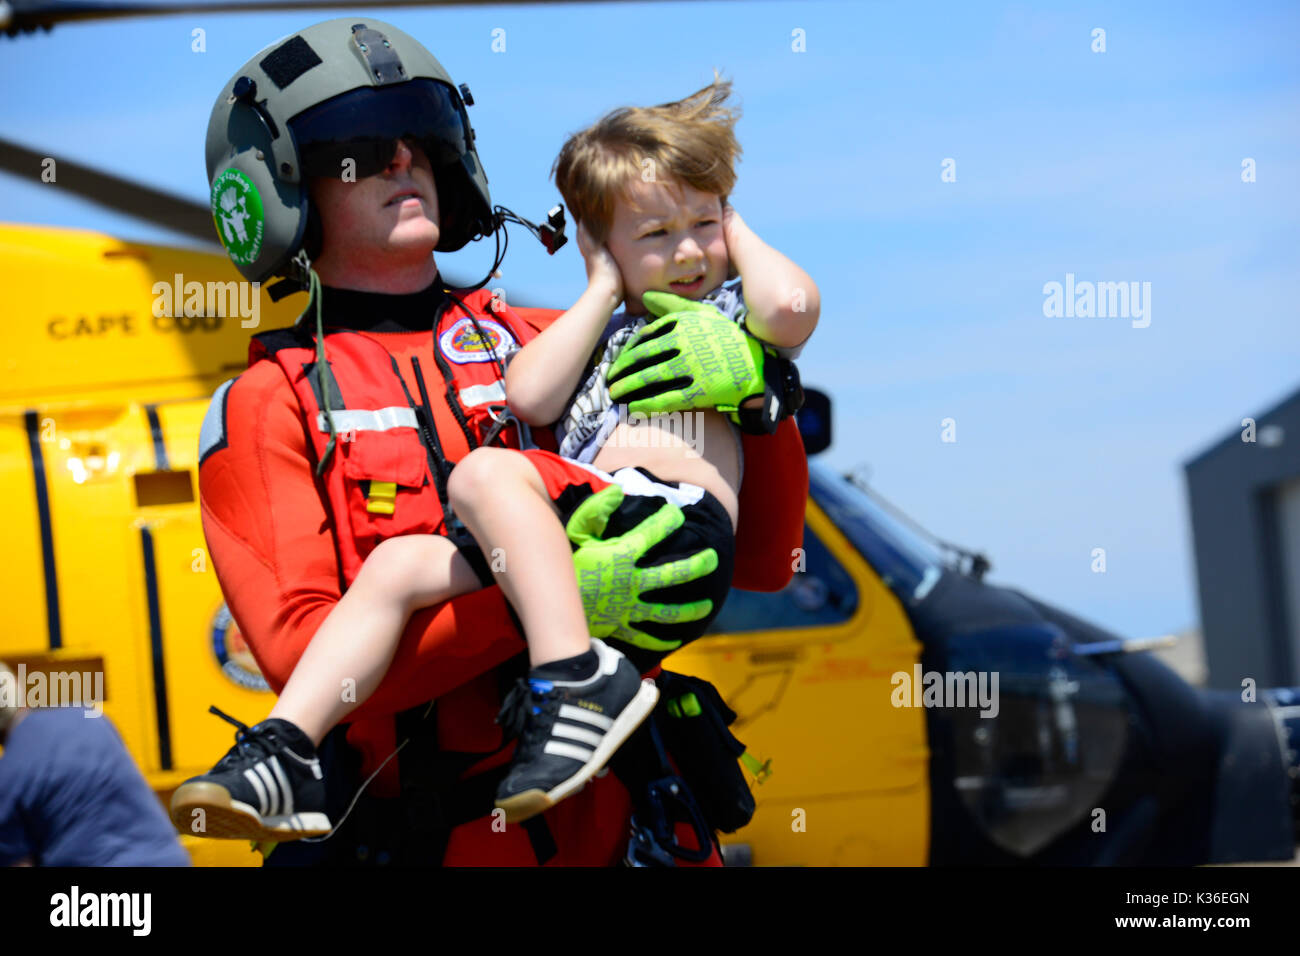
212, 433
462, 343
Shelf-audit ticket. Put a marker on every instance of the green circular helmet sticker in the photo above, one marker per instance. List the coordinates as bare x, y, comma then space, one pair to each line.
237, 211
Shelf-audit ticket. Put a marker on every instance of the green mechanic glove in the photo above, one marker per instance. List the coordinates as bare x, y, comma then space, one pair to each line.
695, 357
611, 582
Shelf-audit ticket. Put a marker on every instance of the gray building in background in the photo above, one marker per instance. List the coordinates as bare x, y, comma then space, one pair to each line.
1245, 502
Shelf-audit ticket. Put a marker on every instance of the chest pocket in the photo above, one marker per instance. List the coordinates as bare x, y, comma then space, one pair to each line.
387, 483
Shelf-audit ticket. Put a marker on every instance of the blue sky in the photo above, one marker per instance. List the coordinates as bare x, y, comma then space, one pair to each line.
1115, 166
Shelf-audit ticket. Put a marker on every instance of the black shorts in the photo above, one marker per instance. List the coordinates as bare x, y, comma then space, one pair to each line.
707, 525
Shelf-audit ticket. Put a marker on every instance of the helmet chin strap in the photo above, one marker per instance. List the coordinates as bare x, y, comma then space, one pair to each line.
298, 276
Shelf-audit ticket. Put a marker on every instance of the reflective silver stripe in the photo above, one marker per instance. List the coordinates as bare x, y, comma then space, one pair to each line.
482, 394
369, 419
213, 430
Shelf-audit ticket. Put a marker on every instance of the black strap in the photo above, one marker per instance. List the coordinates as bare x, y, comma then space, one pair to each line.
464, 801
275, 339
448, 379
434, 799
285, 287
639, 761
782, 397
439, 467
500, 424
453, 398
426, 777
473, 555
539, 835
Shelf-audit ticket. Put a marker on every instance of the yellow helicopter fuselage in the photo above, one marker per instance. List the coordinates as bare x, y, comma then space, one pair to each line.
112, 351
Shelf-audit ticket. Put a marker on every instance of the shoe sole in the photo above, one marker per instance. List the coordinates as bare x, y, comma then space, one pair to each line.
227, 819
529, 803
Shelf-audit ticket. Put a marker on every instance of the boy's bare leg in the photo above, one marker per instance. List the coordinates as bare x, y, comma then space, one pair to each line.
505, 505
348, 657
591, 697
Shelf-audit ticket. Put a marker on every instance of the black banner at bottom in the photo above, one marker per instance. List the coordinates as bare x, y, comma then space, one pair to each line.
928, 906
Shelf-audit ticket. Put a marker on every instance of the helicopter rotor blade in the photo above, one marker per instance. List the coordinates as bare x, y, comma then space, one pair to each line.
184, 216
25, 16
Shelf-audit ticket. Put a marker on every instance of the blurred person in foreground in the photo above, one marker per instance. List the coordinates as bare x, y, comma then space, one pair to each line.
70, 794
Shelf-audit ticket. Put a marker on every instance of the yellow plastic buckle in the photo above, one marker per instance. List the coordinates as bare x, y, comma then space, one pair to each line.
760, 769
382, 499
688, 705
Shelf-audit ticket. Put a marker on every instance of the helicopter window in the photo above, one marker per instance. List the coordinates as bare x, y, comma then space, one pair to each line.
906, 562
821, 593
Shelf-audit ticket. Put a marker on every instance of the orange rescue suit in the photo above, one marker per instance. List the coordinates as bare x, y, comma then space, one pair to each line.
282, 554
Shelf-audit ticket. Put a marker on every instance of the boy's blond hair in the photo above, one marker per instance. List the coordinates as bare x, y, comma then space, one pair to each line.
690, 141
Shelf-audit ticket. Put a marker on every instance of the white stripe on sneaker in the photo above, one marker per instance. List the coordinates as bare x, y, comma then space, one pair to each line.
628, 719
569, 712
256, 782
576, 733
561, 749
273, 792
285, 789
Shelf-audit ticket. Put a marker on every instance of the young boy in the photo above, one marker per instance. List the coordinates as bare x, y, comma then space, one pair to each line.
648, 188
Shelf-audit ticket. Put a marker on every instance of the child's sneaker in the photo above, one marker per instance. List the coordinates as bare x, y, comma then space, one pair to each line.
267, 787
568, 730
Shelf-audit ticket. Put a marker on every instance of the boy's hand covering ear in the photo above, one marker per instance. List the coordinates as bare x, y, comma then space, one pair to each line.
693, 357
611, 583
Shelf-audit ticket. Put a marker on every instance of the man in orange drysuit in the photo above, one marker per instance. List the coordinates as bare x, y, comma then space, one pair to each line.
290, 508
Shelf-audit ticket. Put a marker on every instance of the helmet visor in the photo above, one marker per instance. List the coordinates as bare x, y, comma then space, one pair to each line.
364, 125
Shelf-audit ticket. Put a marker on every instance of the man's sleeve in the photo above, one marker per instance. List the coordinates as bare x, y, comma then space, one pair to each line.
272, 544
773, 496
774, 490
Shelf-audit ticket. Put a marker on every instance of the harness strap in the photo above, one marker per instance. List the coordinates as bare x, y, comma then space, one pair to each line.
473, 555
425, 776
660, 799
266, 344
436, 801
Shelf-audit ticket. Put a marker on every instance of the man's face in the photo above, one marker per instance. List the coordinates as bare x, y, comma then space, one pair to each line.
393, 214
668, 237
